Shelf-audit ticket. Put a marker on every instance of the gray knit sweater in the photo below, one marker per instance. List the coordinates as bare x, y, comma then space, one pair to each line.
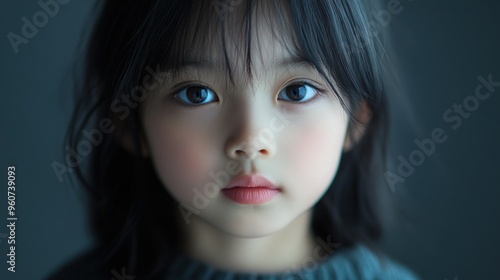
353, 263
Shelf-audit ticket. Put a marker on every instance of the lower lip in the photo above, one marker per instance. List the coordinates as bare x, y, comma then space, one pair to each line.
250, 195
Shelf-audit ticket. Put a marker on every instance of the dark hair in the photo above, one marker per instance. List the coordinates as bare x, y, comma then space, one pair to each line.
131, 212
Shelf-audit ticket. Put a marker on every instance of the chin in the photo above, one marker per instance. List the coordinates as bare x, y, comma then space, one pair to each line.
250, 225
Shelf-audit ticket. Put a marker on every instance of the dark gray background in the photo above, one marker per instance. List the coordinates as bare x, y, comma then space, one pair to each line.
441, 48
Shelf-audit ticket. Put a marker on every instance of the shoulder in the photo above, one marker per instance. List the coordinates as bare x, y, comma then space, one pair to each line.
359, 262
80, 267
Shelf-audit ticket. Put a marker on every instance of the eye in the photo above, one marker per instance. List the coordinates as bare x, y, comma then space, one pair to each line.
196, 95
299, 93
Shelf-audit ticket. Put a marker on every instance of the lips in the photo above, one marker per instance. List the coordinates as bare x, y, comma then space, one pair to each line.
251, 189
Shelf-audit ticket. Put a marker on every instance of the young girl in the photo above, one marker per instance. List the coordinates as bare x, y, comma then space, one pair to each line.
233, 140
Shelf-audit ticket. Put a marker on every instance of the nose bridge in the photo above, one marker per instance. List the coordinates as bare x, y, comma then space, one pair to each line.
251, 114
249, 134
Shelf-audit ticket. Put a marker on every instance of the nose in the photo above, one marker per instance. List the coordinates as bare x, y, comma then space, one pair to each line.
251, 136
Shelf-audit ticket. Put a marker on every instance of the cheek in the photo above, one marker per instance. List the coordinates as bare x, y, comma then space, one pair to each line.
180, 157
316, 155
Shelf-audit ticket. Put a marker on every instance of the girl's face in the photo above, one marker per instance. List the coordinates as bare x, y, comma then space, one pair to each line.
276, 124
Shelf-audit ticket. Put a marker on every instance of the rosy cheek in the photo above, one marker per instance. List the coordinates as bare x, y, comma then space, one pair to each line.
188, 156
180, 159
315, 157
313, 150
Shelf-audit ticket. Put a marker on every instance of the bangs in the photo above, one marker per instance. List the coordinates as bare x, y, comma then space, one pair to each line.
204, 30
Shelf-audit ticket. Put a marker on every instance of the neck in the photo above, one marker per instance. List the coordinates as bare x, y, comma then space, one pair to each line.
281, 251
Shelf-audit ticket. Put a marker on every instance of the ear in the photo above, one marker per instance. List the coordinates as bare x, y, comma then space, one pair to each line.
124, 136
357, 129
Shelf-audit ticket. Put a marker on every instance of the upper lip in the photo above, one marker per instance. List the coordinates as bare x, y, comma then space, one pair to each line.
248, 181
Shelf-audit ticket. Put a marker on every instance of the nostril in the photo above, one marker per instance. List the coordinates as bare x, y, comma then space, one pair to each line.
252, 153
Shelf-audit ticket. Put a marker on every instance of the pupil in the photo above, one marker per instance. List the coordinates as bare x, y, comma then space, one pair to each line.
197, 94
296, 92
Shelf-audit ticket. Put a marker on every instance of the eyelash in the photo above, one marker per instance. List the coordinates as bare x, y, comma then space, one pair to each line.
315, 99
319, 91
182, 87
